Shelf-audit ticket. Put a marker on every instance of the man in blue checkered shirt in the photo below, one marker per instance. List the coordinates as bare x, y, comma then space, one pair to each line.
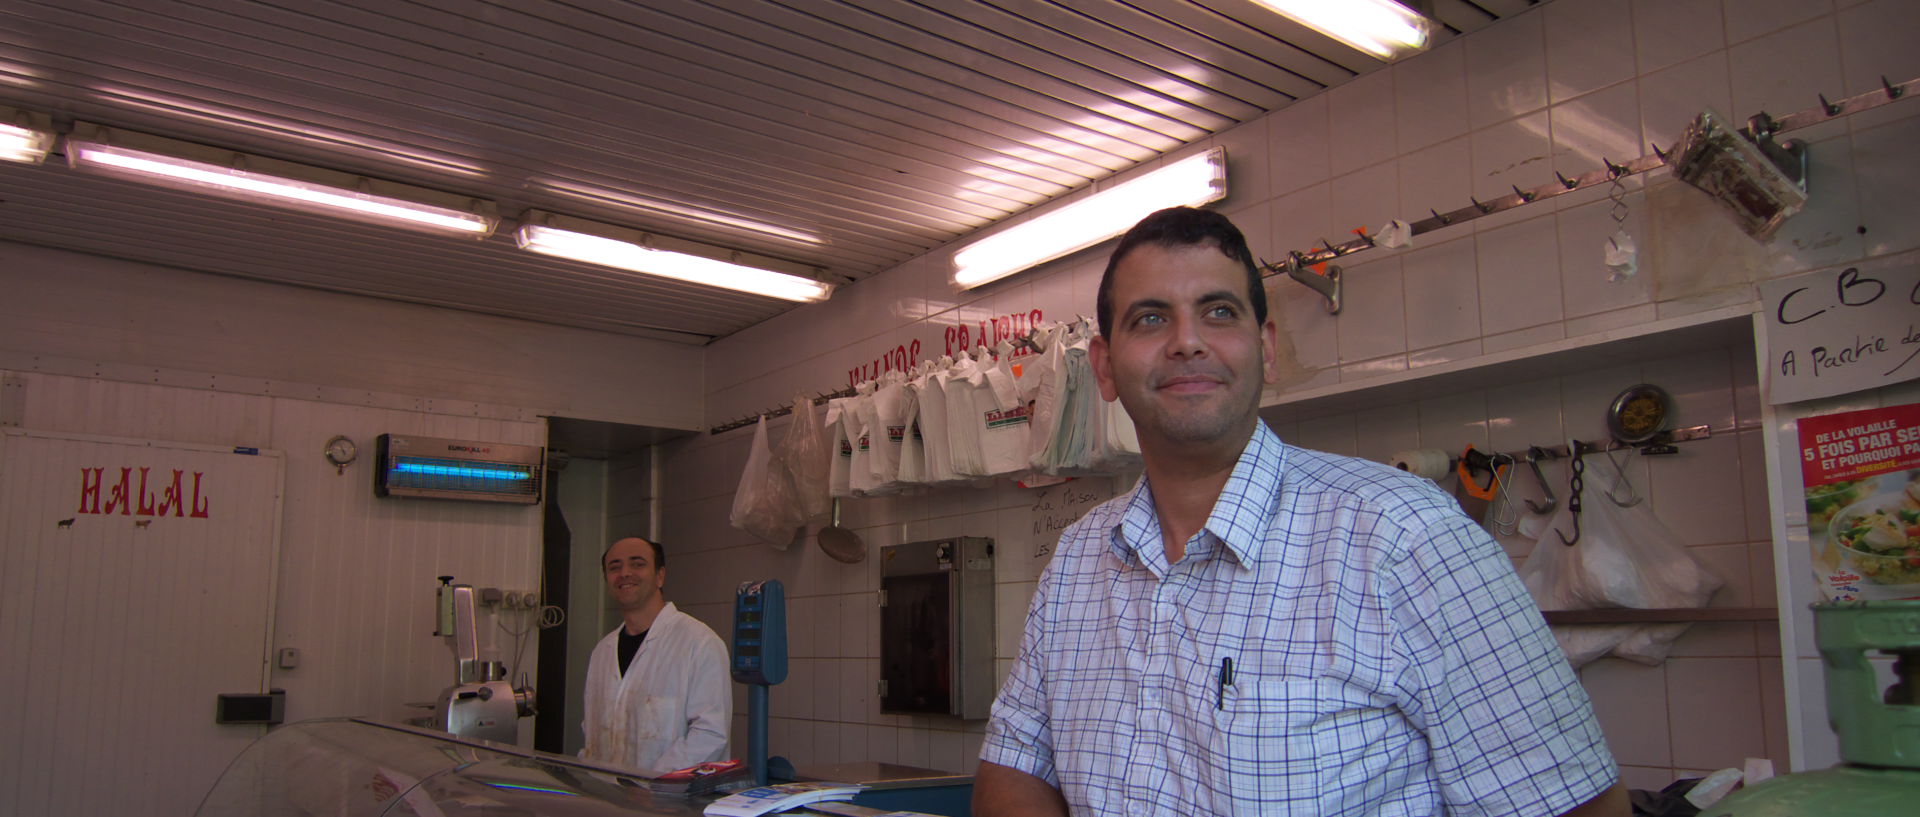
1263, 629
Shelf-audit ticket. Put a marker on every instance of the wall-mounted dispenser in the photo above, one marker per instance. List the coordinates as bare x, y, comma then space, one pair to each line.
436, 468
936, 627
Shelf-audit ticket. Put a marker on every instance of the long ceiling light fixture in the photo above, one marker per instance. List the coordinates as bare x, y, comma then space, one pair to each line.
682, 212
1192, 181
1383, 28
25, 136
607, 245
216, 171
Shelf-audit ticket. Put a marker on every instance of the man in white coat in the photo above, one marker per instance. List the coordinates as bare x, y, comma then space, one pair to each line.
658, 694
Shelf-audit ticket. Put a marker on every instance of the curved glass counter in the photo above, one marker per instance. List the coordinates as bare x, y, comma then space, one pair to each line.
352, 767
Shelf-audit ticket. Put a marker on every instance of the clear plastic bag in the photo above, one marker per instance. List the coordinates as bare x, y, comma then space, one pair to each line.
807, 454
1638, 562
1553, 575
1624, 557
764, 503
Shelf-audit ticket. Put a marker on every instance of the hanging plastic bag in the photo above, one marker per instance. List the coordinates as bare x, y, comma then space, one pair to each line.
930, 396
913, 443
1554, 576
807, 454
1004, 416
893, 409
839, 474
964, 422
763, 504
1638, 562
858, 416
1624, 557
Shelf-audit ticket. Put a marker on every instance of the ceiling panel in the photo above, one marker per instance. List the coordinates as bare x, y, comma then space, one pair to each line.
848, 135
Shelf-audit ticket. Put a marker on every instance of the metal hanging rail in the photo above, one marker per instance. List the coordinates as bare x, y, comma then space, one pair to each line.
777, 412
1661, 443
1019, 342
1297, 263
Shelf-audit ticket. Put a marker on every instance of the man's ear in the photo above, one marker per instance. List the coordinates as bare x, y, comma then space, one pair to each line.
1102, 367
1269, 352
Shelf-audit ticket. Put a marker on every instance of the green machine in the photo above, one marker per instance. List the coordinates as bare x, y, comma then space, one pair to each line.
1879, 733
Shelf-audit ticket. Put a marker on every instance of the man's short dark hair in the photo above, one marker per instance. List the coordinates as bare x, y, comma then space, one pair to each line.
1183, 227
659, 552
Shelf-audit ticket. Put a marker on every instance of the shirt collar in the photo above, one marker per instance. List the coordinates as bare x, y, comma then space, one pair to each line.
1240, 515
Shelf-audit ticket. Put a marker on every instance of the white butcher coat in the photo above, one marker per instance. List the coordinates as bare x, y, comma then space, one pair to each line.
674, 706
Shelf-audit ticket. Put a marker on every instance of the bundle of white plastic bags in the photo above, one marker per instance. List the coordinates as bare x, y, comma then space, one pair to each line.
1009, 411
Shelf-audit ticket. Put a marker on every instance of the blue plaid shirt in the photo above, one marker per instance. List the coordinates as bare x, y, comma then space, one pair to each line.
1385, 660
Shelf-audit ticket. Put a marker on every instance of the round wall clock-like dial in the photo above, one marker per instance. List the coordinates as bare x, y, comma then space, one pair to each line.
1640, 413
340, 451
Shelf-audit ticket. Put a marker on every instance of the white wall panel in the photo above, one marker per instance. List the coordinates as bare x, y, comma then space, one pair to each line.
359, 571
94, 406
122, 621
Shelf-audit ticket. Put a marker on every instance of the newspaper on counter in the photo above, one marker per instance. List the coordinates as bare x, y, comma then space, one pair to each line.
780, 797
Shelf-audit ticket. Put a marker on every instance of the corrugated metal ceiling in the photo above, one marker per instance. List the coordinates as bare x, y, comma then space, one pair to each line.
850, 135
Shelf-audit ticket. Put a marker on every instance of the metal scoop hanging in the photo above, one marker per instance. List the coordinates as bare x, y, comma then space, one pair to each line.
838, 542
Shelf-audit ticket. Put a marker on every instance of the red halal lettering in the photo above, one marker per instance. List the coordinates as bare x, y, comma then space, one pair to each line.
124, 499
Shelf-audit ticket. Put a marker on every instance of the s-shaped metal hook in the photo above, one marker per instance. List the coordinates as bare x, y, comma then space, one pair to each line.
1534, 454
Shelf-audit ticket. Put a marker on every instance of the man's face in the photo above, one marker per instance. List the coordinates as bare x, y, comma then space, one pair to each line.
633, 580
1185, 357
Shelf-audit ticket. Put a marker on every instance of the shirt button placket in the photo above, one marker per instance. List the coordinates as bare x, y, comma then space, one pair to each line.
1150, 754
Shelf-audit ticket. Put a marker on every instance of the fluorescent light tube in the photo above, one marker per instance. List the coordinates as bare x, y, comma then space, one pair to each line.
1382, 28
708, 218
202, 169
1192, 182
25, 136
635, 251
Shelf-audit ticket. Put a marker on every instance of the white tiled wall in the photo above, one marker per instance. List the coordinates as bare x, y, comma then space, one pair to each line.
1556, 88
1660, 721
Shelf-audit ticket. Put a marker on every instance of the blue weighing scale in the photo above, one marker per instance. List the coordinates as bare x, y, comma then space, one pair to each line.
760, 661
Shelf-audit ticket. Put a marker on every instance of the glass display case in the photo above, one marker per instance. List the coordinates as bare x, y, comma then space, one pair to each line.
350, 767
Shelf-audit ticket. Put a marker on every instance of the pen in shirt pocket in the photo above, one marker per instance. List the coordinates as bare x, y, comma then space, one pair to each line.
1226, 679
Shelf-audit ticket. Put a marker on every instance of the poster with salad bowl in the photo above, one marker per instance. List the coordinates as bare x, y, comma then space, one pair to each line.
1862, 476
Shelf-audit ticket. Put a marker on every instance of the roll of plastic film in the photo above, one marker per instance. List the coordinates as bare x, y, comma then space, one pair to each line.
1431, 463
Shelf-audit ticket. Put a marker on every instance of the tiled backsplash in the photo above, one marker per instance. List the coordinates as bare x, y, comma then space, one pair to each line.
1704, 494
1508, 105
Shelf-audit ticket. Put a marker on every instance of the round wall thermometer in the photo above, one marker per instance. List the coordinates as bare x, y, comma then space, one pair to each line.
340, 451
1640, 413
